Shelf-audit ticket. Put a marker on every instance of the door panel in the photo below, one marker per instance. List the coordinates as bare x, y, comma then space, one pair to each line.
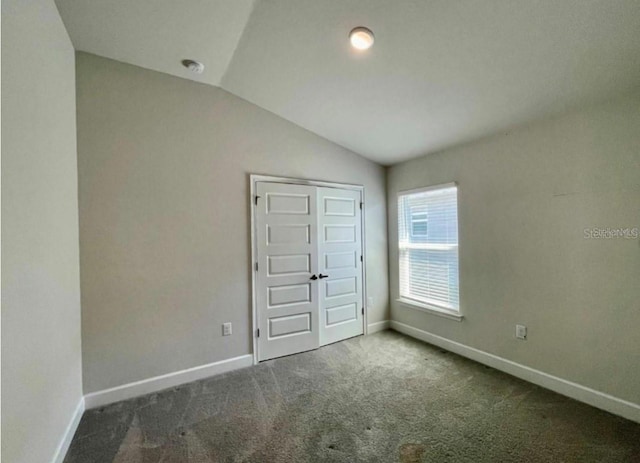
289, 325
341, 313
340, 248
340, 287
287, 299
341, 260
339, 206
339, 233
288, 234
287, 204
290, 294
289, 265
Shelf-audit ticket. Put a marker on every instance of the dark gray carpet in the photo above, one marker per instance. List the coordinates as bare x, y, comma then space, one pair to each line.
381, 398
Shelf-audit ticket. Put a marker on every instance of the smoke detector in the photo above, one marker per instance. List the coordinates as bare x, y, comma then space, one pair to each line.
193, 66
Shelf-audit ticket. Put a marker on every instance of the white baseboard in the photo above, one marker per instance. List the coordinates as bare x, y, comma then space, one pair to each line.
65, 442
158, 383
576, 391
377, 326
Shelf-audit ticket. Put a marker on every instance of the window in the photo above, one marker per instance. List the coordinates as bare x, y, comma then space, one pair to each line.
428, 247
419, 225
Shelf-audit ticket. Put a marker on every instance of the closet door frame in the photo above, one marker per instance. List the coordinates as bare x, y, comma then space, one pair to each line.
253, 179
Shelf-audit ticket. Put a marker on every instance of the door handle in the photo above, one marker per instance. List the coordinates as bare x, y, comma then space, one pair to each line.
321, 276
313, 277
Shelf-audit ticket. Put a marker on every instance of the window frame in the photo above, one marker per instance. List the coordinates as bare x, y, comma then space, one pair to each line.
432, 307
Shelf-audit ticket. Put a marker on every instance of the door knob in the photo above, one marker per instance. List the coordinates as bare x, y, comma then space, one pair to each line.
313, 277
321, 276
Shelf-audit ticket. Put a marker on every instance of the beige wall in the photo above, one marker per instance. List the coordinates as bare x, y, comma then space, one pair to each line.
41, 359
164, 168
525, 198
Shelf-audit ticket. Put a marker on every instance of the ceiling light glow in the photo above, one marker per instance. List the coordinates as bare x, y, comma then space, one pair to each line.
361, 38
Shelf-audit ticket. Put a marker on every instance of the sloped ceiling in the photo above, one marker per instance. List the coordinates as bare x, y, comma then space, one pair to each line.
441, 72
159, 34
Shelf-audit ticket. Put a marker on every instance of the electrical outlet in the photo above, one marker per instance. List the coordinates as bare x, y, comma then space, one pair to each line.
521, 332
370, 301
226, 329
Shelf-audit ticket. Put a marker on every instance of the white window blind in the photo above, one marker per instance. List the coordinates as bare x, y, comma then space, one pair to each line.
428, 246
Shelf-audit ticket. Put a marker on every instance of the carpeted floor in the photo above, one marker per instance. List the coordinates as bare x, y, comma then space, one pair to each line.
381, 398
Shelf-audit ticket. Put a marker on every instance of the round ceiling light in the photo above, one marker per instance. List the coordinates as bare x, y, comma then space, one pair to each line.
361, 38
193, 66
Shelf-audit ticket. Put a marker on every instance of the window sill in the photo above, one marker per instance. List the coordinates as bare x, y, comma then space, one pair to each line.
432, 309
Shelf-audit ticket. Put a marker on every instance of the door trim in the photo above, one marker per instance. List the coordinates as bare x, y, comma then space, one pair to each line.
255, 178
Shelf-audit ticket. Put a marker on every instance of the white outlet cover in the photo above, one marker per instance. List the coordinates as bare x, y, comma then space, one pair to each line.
226, 329
521, 332
370, 301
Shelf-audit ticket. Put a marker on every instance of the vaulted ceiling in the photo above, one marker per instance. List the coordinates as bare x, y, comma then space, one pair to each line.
159, 34
440, 73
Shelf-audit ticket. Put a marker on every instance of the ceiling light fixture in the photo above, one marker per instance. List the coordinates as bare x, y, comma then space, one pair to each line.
193, 66
361, 38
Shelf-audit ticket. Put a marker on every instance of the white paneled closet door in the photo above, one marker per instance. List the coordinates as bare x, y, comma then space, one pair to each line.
287, 244
340, 265
309, 267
